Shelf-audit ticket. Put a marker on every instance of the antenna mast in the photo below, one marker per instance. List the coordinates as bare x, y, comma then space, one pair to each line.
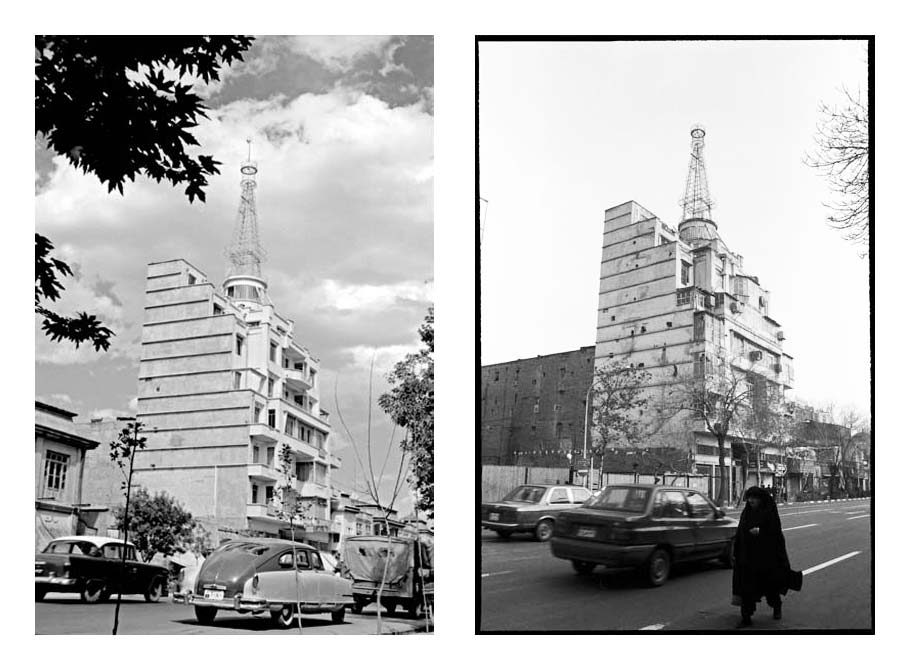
697, 202
246, 253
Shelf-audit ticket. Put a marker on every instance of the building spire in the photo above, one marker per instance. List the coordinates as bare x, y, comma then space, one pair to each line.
245, 253
697, 202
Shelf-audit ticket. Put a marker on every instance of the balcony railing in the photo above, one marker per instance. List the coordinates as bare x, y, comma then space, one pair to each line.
263, 472
262, 511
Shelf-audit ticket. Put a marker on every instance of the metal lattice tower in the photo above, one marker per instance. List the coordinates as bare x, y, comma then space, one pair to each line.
697, 202
246, 253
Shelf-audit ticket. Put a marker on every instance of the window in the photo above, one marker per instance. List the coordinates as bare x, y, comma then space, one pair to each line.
670, 505
683, 298
115, 550
537, 406
255, 454
316, 561
191, 279
273, 351
698, 505
239, 345
271, 416
270, 456
217, 309
257, 413
55, 465
562, 372
271, 388
237, 379
684, 273
580, 494
269, 493
559, 495
230, 292
556, 407
254, 493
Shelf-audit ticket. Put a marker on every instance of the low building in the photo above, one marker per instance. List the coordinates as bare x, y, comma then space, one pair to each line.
61, 445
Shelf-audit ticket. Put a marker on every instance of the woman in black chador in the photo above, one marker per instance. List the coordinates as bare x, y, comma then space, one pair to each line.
761, 567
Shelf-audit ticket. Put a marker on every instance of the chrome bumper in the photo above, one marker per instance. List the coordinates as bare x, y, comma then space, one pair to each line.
239, 602
46, 580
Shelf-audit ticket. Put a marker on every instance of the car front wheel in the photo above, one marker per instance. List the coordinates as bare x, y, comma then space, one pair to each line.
154, 591
284, 618
338, 616
658, 567
544, 531
583, 567
92, 592
205, 614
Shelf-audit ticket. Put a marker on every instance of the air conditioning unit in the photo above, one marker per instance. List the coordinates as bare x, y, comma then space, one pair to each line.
709, 301
777, 368
780, 335
755, 355
735, 306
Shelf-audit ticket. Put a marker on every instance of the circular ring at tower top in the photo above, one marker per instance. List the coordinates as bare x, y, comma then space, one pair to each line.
249, 170
698, 131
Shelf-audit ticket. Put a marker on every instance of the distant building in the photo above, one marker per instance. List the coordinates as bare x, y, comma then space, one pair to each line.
61, 507
533, 410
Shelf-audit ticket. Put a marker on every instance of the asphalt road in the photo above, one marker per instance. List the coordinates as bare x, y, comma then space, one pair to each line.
65, 614
525, 588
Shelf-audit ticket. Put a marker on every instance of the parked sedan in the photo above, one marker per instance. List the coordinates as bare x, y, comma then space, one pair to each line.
91, 567
531, 508
645, 526
259, 575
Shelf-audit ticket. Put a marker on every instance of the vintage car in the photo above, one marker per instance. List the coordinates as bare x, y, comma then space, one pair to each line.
90, 566
531, 508
645, 526
258, 575
406, 578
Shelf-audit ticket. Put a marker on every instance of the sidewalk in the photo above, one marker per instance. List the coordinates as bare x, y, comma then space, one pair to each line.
365, 623
806, 503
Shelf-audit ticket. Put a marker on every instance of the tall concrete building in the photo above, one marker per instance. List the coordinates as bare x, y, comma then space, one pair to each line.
223, 386
532, 410
679, 303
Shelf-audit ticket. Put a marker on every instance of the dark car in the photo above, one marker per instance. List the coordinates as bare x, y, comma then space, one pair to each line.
531, 508
644, 526
268, 575
90, 566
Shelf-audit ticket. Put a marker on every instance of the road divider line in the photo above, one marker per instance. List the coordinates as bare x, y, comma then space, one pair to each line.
653, 627
804, 526
826, 564
858, 516
487, 575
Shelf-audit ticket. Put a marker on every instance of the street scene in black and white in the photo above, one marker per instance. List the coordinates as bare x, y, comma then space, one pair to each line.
675, 384
234, 335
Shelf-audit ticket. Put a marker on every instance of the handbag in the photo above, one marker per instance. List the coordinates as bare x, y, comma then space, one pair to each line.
795, 580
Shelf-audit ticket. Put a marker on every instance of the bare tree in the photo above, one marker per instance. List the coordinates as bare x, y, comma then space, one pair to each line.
373, 480
838, 443
767, 422
841, 155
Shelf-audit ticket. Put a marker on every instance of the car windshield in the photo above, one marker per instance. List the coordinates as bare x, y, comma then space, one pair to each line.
626, 499
249, 548
525, 494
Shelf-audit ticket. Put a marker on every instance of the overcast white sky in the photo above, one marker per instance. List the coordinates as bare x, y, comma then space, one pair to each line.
342, 130
570, 129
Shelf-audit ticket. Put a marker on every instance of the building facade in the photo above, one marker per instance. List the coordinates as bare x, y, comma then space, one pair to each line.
225, 391
679, 303
61, 446
532, 410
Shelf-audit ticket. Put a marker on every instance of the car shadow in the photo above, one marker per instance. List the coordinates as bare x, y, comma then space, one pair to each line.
624, 579
255, 623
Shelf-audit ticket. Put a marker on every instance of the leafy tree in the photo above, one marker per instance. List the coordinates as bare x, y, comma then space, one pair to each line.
117, 107
158, 523
841, 155
616, 396
410, 404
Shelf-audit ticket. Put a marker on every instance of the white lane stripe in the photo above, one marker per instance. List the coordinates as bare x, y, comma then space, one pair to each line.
829, 563
857, 517
487, 575
805, 526
653, 627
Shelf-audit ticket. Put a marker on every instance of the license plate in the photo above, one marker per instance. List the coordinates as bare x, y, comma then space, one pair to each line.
586, 532
214, 594
494, 517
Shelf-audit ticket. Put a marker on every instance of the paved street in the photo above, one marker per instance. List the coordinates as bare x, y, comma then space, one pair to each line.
523, 587
65, 614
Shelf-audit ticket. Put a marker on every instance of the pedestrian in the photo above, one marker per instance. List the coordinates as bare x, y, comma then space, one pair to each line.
761, 567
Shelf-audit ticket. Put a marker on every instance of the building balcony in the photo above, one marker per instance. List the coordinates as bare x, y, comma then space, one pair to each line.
263, 472
297, 379
312, 489
263, 434
262, 511
309, 418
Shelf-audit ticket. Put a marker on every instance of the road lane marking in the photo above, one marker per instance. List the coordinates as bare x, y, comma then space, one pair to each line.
826, 564
857, 517
487, 575
805, 526
653, 627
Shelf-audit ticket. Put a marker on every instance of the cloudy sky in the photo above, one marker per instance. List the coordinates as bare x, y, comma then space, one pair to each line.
568, 130
342, 130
